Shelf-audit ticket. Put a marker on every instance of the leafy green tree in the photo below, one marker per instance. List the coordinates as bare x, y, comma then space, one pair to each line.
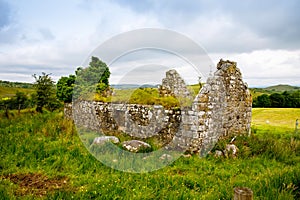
45, 92
94, 78
64, 88
21, 100
277, 100
295, 98
263, 101
288, 101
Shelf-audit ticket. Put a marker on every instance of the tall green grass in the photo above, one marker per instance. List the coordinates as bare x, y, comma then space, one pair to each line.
33, 143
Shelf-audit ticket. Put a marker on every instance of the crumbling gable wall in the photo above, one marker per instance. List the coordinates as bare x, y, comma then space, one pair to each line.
221, 109
174, 85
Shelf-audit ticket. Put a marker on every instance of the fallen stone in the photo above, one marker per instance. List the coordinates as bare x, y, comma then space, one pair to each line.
219, 153
135, 145
103, 139
231, 150
187, 155
166, 157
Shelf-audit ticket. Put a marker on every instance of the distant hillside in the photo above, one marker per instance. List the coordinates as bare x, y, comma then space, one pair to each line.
273, 89
15, 84
282, 88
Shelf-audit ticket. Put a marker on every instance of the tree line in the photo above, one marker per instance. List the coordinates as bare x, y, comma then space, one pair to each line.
51, 96
278, 100
15, 84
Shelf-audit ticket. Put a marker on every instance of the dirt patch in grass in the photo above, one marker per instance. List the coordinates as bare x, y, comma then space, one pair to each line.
38, 184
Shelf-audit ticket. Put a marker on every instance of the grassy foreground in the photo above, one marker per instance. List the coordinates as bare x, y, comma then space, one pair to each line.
43, 157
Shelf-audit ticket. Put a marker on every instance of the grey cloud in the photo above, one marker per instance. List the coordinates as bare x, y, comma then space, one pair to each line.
160, 43
274, 23
277, 20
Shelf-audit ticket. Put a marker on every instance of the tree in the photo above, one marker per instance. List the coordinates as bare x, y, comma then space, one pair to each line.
100, 69
94, 78
263, 101
45, 92
5, 103
21, 100
277, 100
295, 96
288, 101
64, 88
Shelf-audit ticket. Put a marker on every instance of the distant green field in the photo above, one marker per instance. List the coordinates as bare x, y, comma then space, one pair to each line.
275, 118
11, 91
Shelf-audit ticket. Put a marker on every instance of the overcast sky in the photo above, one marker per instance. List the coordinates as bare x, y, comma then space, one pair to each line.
56, 37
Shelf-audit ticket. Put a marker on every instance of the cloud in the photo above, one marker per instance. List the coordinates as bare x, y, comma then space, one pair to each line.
254, 25
277, 20
267, 67
57, 36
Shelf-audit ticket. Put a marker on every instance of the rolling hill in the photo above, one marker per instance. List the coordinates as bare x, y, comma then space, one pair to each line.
282, 88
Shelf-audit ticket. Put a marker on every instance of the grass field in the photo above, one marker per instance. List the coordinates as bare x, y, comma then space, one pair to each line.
279, 120
11, 91
42, 157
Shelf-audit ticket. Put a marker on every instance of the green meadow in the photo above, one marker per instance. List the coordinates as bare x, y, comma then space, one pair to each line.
42, 157
276, 120
11, 91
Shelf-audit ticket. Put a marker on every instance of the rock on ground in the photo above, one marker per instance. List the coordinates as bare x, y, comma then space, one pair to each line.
103, 139
135, 145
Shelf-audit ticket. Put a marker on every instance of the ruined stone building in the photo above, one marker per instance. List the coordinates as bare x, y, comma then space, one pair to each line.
222, 108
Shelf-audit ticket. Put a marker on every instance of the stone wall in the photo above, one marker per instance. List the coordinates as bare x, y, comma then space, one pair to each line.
221, 109
68, 111
138, 121
174, 85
